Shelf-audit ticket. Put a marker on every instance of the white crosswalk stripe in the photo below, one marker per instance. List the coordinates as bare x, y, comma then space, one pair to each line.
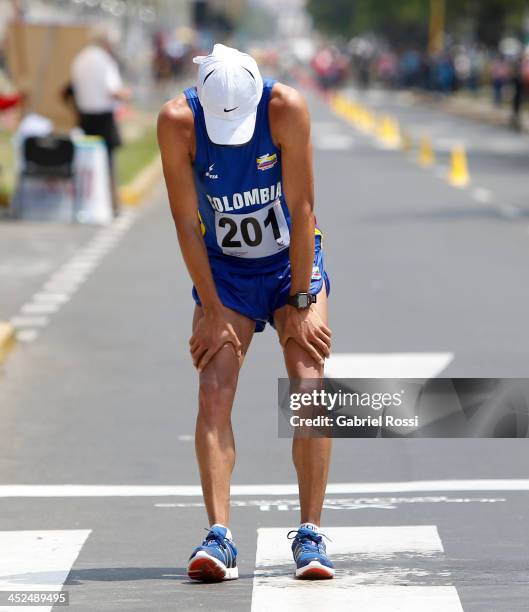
333, 488
387, 365
378, 569
329, 136
38, 560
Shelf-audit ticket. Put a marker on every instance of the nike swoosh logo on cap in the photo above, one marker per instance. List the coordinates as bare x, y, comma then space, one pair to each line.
228, 110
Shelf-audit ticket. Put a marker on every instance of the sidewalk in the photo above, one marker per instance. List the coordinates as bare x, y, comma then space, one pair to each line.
472, 107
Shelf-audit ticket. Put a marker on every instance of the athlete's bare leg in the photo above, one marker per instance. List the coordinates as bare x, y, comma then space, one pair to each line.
311, 455
214, 443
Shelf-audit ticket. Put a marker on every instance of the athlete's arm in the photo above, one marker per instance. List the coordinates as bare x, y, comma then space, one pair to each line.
176, 142
290, 125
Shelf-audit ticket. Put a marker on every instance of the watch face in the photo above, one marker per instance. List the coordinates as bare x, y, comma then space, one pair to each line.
303, 301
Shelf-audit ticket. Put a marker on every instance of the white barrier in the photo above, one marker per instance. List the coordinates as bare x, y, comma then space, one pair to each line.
92, 179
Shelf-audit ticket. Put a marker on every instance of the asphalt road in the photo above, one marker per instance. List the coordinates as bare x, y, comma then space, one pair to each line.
103, 393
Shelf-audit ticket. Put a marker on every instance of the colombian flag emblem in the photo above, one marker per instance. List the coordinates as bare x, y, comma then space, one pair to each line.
266, 161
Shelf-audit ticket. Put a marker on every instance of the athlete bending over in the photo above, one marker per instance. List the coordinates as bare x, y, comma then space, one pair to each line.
237, 161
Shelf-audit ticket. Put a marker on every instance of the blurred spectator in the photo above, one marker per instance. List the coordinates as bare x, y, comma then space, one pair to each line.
462, 67
387, 68
172, 53
330, 67
517, 95
161, 63
97, 87
363, 72
410, 66
477, 69
445, 74
500, 74
459, 67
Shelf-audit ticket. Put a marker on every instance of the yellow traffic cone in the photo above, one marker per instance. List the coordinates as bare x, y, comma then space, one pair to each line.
426, 154
393, 134
346, 108
388, 133
354, 113
368, 121
379, 126
459, 176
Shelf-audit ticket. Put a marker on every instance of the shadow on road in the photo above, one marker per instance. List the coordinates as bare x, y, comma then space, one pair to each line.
126, 574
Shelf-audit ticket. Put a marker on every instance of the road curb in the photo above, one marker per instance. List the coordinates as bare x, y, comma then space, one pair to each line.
7, 339
133, 193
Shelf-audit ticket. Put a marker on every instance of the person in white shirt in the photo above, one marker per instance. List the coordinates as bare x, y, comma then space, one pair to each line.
97, 88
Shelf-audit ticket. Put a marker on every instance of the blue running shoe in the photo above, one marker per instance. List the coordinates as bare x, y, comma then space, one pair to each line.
310, 555
215, 559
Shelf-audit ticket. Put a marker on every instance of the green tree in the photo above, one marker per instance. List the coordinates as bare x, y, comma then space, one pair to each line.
407, 20
492, 19
400, 22
334, 16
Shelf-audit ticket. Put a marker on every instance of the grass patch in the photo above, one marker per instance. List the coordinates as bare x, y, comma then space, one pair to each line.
133, 156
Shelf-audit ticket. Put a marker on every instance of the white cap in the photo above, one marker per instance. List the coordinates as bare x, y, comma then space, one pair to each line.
229, 89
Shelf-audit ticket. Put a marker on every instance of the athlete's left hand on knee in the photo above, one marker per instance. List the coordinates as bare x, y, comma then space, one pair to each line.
307, 329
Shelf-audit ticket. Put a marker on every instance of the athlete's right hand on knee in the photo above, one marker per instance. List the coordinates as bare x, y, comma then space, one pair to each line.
211, 333
308, 330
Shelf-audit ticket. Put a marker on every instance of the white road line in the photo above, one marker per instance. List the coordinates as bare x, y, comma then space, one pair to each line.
105, 242
62, 286
64, 282
387, 365
394, 557
51, 298
63, 273
29, 321
32, 308
390, 502
92, 256
83, 267
27, 335
412, 486
38, 560
482, 195
333, 142
74, 277
323, 127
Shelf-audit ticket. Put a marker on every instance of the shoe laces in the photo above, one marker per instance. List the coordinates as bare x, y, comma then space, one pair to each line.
308, 538
215, 536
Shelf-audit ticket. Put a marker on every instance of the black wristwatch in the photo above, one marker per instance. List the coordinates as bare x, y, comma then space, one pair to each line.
301, 301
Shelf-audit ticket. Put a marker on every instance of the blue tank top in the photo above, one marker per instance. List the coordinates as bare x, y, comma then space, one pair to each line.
244, 217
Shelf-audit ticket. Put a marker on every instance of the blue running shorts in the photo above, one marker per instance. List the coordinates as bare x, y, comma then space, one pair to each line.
258, 296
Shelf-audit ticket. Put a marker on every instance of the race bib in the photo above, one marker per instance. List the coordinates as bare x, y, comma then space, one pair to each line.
260, 233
